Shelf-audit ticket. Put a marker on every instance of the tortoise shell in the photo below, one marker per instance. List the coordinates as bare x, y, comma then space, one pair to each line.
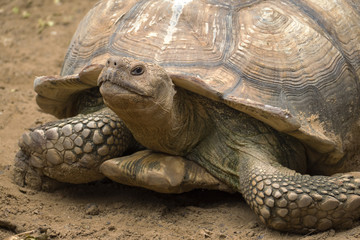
294, 65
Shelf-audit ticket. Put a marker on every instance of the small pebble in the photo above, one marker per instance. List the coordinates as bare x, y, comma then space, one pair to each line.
92, 209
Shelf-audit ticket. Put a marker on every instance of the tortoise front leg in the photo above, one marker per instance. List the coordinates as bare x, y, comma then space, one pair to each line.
71, 150
288, 201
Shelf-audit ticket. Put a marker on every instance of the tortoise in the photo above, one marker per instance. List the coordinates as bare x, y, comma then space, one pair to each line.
256, 97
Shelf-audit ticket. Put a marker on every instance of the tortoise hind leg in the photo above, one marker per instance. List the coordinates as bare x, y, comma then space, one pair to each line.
70, 150
160, 172
289, 201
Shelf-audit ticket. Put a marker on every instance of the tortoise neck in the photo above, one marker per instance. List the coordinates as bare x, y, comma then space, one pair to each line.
173, 128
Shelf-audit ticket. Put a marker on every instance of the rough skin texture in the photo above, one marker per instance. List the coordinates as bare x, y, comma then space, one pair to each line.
289, 201
71, 150
261, 163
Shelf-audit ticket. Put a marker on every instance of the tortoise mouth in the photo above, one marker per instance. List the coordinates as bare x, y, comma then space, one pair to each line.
120, 88
111, 80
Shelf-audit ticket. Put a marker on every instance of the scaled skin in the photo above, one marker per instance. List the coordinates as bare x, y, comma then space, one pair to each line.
249, 156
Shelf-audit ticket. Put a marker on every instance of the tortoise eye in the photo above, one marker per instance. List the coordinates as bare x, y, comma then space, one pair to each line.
138, 70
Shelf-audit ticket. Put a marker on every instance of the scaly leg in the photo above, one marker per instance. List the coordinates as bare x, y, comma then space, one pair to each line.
71, 150
289, 201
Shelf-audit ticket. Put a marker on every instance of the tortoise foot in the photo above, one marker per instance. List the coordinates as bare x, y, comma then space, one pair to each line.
26, 175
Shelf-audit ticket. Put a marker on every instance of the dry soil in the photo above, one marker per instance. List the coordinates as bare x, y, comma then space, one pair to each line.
34, 36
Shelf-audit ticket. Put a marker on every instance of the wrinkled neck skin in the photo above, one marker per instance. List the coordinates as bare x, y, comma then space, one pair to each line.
174, 124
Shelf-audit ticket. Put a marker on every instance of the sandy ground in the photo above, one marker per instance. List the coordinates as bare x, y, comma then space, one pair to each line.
34, 35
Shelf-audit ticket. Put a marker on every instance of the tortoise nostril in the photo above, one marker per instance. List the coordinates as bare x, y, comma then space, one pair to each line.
111, 62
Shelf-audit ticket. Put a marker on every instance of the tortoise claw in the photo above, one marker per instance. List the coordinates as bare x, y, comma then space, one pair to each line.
26, 175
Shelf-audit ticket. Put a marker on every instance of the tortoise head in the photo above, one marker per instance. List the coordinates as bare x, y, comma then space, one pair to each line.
145, 98
136, 91
129, 85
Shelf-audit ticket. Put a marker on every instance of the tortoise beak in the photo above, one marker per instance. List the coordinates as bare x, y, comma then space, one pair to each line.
105, 75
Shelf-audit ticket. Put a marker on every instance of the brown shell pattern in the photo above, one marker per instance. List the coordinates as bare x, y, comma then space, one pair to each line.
294, 64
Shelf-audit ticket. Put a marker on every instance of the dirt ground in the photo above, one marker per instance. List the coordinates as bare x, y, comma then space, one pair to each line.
34, 36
